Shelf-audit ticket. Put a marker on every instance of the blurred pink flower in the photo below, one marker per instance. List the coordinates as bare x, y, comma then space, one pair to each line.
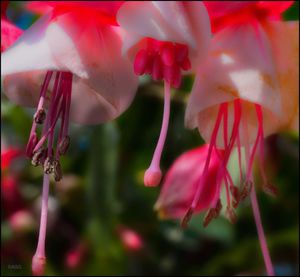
76, 47
75, 256
21, 221
9, 32
131, 240
11, 198
181, 183
164, 39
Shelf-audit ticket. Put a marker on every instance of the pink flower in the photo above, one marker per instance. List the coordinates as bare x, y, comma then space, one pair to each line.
75, 256
181, 183
9, 32
131, 240
76, 48
246, 90
164, 39
10, 194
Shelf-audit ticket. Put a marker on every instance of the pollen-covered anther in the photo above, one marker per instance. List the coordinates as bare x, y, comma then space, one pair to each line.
235, 196
49, 165
212, 213
270, 189
230, 215
40, 116
64, 145
246, 189
186, 218
39, 157
57, 171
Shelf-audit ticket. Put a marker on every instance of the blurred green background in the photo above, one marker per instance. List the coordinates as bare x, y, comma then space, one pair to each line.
101, 217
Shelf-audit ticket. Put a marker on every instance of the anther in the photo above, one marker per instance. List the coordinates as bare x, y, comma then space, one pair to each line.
187, 218
270, 189
210, 215
64, 145
246, 189
57, 171
40, 116
39, 157
48, 165
235, 196
230, 215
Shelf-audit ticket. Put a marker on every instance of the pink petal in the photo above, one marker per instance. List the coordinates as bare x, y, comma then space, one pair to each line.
181, 181
174, 21
284, 37
239, 65
104, 83
9, 34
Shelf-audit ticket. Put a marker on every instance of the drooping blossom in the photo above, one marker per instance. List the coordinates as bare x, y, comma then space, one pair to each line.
246, 90
72, 56
164, 39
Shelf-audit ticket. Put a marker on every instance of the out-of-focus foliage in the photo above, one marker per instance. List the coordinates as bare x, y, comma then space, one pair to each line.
102, 193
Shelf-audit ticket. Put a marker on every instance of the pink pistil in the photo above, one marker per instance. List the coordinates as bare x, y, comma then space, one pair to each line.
223, 107
163, 61
254, 203
39, 259
153, 174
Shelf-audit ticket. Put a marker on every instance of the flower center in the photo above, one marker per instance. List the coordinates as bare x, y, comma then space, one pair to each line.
42, 151
233, 194
163, 61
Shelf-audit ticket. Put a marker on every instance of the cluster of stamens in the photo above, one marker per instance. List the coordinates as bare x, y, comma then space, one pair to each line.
163, 61
234, 195
41, 150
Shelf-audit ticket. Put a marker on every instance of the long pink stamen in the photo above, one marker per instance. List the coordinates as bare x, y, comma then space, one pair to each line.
228, 149
153, 174
254, 203
196, 198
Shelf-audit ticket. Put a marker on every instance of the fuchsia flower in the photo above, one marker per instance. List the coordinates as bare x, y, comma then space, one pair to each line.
246, 90
182, 180
76, 48
164, 39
